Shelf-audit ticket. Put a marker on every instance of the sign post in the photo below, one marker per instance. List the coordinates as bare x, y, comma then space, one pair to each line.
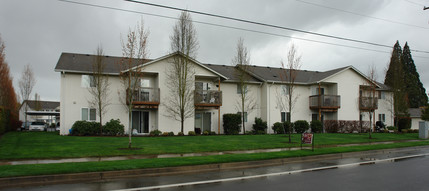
307, 138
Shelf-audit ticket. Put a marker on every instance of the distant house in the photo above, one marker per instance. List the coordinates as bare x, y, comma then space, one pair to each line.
416, 117
46, 111
339, 94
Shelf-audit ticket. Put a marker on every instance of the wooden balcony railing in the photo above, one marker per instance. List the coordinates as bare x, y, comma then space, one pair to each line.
368, 103
146, 96
207, 98
329, 102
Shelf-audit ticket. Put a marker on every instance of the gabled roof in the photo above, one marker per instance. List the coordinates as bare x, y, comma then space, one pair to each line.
229, 72
44, 105
82, 63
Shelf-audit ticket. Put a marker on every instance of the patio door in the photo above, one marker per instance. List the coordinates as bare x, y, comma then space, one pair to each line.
203, 121
140, 121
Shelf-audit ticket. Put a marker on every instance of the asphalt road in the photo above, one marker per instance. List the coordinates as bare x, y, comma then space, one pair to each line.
409, 175
405, 175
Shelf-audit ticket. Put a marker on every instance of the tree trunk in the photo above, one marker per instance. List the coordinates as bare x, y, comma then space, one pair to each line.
181, 125
129, 129
370, 125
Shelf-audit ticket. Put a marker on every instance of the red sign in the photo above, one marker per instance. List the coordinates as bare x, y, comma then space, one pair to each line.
307, 138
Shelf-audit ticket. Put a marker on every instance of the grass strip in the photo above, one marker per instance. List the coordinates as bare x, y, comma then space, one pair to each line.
63, 168
49, 145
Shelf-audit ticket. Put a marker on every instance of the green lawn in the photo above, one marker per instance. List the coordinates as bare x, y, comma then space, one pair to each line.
32, 145
62, 168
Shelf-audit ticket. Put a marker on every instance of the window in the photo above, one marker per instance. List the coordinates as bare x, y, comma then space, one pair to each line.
315, 117
239, 88
87, 81
381, 95
382, 117
285, 116
316, 91
145, 83
245, 116
88, 114
285, 90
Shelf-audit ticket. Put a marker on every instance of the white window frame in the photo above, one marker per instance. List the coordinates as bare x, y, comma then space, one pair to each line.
87, 81
89, 114
239, 88
245, 116
382, 117
285, 90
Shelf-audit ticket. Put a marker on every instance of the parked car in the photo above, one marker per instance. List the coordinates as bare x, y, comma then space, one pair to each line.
25, 126
37, 126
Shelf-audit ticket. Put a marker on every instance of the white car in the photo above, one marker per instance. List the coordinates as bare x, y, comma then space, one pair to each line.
37, 126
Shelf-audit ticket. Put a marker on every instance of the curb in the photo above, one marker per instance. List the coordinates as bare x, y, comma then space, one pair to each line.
109, 175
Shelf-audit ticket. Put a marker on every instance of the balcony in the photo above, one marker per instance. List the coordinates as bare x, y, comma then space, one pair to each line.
327, 103
146, 98
368, 103
207, 98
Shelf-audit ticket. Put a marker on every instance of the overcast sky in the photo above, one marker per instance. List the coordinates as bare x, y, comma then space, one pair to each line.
37, 32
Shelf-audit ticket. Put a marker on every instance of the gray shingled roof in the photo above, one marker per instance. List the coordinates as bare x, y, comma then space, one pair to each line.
229, 72
82, 63
415, 112
44, 105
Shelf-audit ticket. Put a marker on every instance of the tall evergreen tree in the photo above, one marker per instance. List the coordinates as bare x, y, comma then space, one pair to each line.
395, 77
414, 89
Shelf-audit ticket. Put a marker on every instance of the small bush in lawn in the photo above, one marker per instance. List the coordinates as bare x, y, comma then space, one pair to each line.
155, 133
180, 134
85, 128
392, 128
301, 126
278, 128
316, 126
165, 134
113, 128
231, 123
191, 133
206, 133
171, 133
260, 126
212, 133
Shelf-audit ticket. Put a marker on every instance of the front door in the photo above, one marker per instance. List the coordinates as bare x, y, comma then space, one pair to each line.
140, 121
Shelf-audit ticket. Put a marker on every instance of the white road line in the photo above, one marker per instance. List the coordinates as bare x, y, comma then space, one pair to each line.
273, 174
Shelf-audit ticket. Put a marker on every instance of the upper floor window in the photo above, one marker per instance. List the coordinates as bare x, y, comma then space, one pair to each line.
144, 83
87, 81
285, 89
240, 88
381, 95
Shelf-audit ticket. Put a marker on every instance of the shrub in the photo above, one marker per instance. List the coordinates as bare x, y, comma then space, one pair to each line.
165, 134
331, 126
113, 128
404, 123
231, 123
278, 128
392, 128
191, 133
180, 134
206, 133
301, 126
155, 133
171, 133
316, 126
212, 133
260, 126
404, 131
85, 128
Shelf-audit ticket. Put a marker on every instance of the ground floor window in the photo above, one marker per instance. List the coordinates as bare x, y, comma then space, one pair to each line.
285, 116
202, 122
245, 116
382, 117
315, 117
88, 114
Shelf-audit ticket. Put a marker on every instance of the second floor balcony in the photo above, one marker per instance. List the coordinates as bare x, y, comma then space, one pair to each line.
207, 98
146, 97
325, 102
368, 103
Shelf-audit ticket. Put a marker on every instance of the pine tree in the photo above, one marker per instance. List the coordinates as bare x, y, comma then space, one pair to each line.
416, 93
395, 78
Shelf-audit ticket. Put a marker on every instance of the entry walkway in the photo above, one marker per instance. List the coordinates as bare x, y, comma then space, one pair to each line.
116, 158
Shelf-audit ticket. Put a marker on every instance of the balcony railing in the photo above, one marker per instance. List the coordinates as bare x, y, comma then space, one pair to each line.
208, 98
368, 103
146, 96
332, 102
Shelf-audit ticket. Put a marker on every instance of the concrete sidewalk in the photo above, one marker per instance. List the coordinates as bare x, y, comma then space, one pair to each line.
116, 158
170, 171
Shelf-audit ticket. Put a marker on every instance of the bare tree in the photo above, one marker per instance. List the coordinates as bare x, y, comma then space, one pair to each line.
99, 92
372, 76
287, 99
134, 51
26, 84
180, 74
246, 102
